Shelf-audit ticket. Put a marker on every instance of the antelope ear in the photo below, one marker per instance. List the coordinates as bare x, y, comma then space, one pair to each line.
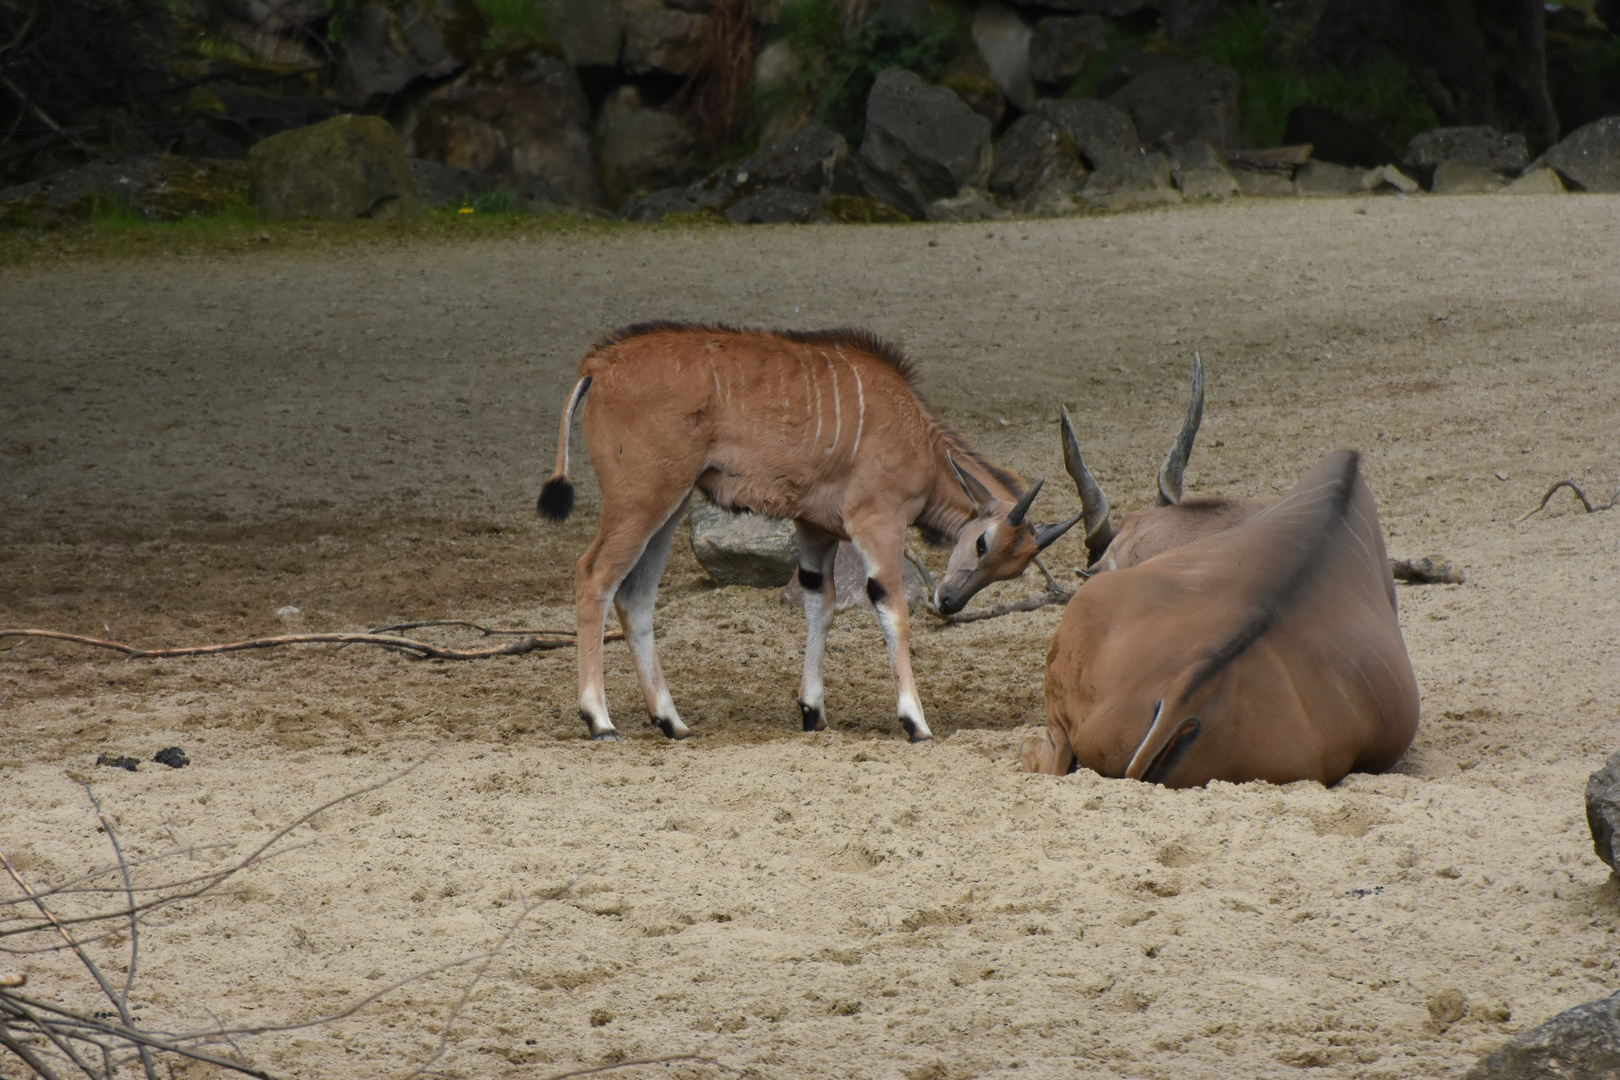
977, 493
1015, 516
1045, 534
1175, 462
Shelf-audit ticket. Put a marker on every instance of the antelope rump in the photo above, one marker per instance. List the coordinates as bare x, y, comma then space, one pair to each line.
823, 428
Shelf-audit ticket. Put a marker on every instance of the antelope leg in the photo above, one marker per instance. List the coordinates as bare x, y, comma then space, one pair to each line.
885, 587
818, 551
634, 601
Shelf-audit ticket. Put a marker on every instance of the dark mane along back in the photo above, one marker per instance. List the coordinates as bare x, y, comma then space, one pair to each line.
847, 337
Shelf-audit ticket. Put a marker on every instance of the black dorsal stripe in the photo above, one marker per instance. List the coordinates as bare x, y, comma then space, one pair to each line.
1287, 585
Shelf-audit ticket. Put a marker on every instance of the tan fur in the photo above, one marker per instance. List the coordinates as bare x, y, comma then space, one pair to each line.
1295, 595
824, 429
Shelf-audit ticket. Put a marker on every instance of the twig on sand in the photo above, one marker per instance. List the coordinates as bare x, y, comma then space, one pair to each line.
1425, 572
1613, 500
698, 1055
421, 649
996, 611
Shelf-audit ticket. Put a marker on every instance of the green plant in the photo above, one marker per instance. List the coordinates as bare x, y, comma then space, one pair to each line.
499, 201
514, 22
1382, 96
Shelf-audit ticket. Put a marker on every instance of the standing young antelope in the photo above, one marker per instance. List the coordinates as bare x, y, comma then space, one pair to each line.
1230, 640
822, 428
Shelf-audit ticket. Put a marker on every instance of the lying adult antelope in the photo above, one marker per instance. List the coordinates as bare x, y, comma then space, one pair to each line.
821, 428
1229, 640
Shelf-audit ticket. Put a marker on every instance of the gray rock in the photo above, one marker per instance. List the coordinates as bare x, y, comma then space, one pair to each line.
1181, 101
970, 205
1325, 178
1200, 172
347, 167
1388, 176
1541, 181
1461, 178
645, 209
1187, 21
1589, 159
519, 119
385, 52
438, 185
1481, 147
1145, 181
777, 206
742, 549
279, 16
1003, 38
814, 159
642, 149
778, 64
1104, 136
665, 41
589, 32
1033, 157
1264, 184
1582, 1043
922, 143
849, 583
1062, 45
1113, 9
157, 187
1603, 811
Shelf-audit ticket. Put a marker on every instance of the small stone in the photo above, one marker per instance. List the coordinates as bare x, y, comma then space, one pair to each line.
1446, 1008
288, 612
128, 763
1201, 173
1536, 182
1318, 178
1388, 176
1142, 182
1461, 178
970, 204
1263, 184
173, 757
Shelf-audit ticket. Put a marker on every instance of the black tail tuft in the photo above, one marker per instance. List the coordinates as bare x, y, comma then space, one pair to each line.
557, 499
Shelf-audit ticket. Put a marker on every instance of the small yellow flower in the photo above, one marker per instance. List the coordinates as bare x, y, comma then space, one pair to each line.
465, 210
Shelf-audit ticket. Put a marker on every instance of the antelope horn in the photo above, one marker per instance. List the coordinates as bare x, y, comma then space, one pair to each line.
1045, 534
1175, 462
1015, 517
1093, 503
977, 493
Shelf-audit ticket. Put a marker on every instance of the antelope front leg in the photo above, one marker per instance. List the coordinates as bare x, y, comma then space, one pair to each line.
636, 598
818, 551
885, 587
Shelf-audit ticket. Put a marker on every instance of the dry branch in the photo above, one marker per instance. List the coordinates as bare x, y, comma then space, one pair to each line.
996, 611
1425, 572
1613, 500
421, 649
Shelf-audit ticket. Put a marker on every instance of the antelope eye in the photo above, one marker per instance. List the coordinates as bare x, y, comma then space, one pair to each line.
981, 546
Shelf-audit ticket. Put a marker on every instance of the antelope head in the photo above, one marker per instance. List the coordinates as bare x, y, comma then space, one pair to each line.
996, 545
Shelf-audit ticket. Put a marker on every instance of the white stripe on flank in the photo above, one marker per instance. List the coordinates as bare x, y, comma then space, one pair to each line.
860, 420
811, 382
717, 392
838, 411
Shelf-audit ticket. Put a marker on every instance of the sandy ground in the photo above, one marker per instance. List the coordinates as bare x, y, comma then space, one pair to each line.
188, 446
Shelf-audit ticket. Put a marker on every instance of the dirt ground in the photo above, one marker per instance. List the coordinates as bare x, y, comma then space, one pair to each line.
189, 446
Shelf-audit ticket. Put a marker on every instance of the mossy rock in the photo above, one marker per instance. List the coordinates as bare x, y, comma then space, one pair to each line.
344, 168
860, 210
703, 215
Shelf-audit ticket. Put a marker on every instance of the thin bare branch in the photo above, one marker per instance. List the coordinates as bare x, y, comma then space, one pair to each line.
140, 1038
121, 1001
12, 1006
1425, 572
28, 1057
487, 631
455, 1011
1614, 498
996, 611
421, 648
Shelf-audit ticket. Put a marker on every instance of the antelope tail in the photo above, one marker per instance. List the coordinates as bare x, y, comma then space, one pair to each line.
1163, 747
557, 494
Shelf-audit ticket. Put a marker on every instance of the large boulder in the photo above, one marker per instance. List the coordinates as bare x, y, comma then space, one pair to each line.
661, 40
1144, 181
814, 160
743, 548
1481, 147
1002, 39
1062, 45
1034, 158
442, 185
1325, 178
347, 167
520, 118
1461, 178
777, 206
1178, 101
1589, 159
642, 149
849, 582
969, 204
1603, 811
1104, 136
589, 32
155, 187
386, 51
1335, 139
1582, 1043
922, 143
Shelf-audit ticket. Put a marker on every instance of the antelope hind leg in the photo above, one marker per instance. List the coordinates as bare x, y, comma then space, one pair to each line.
634, 602
817, 552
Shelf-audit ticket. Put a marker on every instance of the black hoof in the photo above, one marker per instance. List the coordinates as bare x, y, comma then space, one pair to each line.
606, 736
814, 719
668, 728
911, 732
